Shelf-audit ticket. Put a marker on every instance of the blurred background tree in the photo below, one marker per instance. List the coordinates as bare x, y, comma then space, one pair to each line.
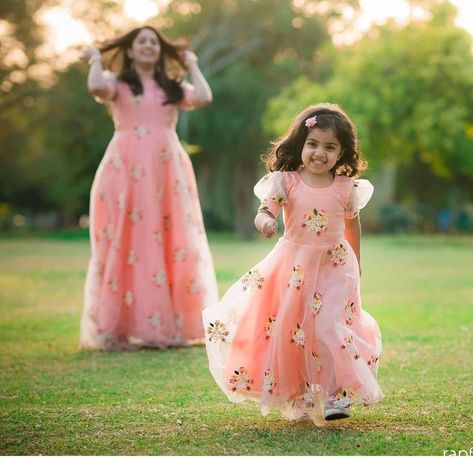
265, 60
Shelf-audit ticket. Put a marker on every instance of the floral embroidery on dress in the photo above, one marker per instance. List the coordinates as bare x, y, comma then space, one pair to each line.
268, 328
316, 220
241, 380
179, 255
316, 303
350, 310
350, 347
338, 254
278, 199
217, 331
160, 193
193, 287
116, 162
309, 396
117, 242
298, 336
137, 172
160, 278
141, 131
158, 236
128, 298
318, 361
179, 187
373, 361
135, 215
165, 154
121, 201
113, 284
131, 257
155, 319
107, 232
252, 280
297, 278
268, 383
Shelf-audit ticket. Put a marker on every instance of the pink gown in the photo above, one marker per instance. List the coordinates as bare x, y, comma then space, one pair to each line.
150, 271
291, 333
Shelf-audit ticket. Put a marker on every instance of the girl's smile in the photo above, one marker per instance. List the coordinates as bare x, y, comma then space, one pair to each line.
145, 49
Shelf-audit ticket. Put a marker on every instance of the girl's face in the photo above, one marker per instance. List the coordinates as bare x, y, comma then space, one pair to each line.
145, 49
321, 151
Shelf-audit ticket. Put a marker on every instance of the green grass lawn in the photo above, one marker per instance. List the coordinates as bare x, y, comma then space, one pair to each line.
55, 400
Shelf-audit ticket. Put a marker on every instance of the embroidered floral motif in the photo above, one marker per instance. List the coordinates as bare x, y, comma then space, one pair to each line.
107, 232
338, 254
141, 131
155, 319
343, 399
241, 380
316, 303
179, 187
297, 278
117, 242
193, 287
135, 214
131, 257
179, 255
268, 383
252, 280
217, 331
113, 284
268, 328
116, 162
309, 396
350, 310
137, 172
278, 199
316, 220
160, 278
158, 236
298, 335
128, 298
373, 360
165, 154
160, 193
350, 347
121, 201
318, 361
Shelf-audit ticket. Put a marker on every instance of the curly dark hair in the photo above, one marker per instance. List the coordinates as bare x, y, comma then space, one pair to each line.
115, 57
285, 153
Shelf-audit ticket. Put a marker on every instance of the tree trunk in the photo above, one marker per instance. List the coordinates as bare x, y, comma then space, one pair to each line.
244, 180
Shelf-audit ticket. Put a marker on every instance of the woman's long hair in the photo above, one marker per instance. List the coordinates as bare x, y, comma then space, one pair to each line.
169, 70
285, 153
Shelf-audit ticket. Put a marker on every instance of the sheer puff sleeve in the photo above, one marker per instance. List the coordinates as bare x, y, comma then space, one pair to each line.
270, 190
360, 195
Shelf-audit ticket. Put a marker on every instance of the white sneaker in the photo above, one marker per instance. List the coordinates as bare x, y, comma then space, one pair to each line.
332, 413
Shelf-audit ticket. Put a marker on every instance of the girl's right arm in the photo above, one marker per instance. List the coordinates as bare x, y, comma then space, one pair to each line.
96, 83
265, 223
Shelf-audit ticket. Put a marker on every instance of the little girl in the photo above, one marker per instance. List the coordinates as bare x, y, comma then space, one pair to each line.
291, 334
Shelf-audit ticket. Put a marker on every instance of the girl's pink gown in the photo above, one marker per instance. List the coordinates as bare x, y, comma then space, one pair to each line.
291, 333
150, 272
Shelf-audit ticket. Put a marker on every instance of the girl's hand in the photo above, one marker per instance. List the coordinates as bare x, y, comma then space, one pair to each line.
190, 58
89, 52
270, 228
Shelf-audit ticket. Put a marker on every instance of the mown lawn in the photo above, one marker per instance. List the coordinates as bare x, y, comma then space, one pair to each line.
55, 400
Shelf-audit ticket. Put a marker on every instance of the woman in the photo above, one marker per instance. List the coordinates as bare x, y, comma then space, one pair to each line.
151, 271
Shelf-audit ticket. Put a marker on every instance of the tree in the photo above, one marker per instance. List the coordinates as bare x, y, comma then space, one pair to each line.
409, 91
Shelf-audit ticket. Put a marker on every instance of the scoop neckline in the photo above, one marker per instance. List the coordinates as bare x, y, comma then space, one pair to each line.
314, 189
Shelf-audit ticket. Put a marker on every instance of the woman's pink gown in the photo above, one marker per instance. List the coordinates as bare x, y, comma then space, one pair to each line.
151, 272
291, 333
